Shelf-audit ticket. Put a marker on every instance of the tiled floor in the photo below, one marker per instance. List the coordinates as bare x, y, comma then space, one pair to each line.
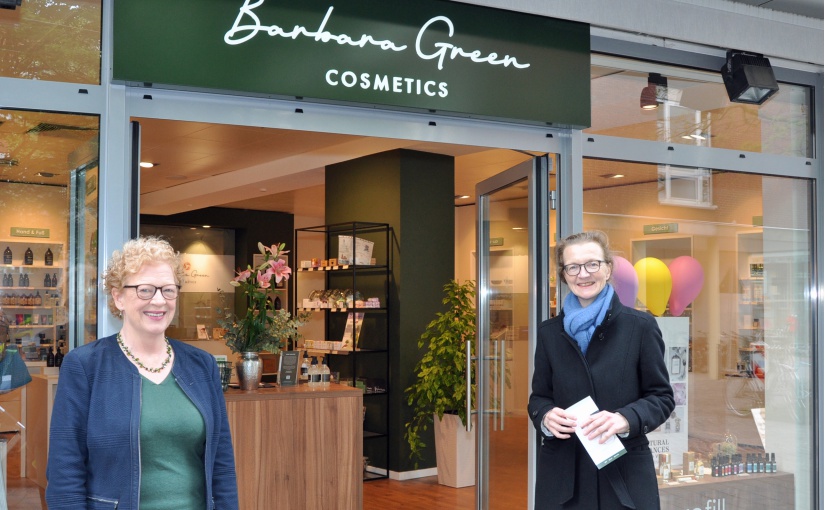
709, 421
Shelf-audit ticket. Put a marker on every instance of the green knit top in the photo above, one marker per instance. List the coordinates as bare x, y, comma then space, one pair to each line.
172, 439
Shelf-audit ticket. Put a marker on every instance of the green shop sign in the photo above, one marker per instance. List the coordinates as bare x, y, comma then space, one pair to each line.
432, 55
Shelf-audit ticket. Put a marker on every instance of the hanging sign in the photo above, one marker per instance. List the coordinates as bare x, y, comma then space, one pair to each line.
433, 55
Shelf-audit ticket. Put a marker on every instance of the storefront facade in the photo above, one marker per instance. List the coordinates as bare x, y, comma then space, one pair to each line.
734, 192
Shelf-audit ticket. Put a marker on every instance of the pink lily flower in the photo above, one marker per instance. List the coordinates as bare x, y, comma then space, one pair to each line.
263, 279
279, 270
276, 250
242, 275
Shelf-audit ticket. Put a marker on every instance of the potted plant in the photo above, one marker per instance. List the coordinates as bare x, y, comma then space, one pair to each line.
262, 327
438, 396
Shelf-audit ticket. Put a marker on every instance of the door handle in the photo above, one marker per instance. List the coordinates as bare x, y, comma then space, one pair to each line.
503, 360
469, 389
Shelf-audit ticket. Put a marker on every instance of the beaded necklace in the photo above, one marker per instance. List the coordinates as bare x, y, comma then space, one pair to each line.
137, 360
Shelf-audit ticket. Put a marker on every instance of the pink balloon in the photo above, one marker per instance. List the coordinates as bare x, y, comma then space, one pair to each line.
688, 278
625, 281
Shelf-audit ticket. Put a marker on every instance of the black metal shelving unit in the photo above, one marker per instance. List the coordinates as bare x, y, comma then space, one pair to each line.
366, 362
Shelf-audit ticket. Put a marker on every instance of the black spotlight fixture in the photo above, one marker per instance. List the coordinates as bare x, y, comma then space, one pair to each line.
10, 4
748, 77
655, 93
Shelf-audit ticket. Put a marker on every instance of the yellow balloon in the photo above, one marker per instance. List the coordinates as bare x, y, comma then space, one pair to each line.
655, 284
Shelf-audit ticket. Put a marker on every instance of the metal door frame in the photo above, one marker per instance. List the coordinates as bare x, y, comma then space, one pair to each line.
535, 172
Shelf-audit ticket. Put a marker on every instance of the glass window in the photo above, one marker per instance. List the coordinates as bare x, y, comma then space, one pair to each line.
649, 101
42, 209
736, 320
52, 41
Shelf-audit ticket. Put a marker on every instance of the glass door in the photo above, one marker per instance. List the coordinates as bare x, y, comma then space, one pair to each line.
510, 299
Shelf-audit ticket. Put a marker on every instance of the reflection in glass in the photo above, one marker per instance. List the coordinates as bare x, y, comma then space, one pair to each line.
693, 109
52, 41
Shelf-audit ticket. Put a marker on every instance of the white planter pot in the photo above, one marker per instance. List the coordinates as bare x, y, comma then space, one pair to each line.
455, 451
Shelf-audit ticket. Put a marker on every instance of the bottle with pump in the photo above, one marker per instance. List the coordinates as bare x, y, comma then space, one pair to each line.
28, 258
314, 373
277, 304
324, 375
58, 358
305, 369
48, 259
47, 280
50, 358
7, 255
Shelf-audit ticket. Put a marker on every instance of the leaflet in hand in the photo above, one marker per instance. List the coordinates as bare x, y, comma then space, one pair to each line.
602, 454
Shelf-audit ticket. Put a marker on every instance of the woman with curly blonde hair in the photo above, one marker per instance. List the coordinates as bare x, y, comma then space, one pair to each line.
142, 418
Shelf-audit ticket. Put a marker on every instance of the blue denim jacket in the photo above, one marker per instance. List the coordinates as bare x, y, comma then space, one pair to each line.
94, 447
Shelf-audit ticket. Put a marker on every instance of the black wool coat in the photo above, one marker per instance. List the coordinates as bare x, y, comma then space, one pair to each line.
625, 372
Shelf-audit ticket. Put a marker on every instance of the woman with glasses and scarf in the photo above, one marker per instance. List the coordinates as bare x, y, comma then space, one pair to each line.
600, 348
139, 420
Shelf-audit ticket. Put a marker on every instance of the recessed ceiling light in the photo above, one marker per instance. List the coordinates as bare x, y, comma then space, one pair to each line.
612, 176
518, 228
461, 197
698, 137
44, 174
207, 226
146, 164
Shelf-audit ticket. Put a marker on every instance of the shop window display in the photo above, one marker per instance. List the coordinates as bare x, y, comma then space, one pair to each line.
728, 284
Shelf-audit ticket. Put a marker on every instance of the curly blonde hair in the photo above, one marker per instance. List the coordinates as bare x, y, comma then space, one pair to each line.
128, 261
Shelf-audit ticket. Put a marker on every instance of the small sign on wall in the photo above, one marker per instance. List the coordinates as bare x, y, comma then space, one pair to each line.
29, 232
661, 228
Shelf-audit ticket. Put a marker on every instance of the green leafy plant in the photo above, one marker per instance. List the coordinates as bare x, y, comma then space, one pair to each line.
440, 385
261, 328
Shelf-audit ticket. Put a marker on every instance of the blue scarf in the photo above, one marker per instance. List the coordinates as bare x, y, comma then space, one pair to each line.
580, 323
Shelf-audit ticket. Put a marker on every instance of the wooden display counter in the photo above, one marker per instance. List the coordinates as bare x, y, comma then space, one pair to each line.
759, 491
41, 392
297, 447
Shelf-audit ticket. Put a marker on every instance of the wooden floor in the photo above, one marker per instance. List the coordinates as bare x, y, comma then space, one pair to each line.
419, 494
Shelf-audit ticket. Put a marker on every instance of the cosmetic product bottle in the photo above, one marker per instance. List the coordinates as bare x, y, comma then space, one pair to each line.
50, 358
48, 259
28, 258
58, 358
7, 255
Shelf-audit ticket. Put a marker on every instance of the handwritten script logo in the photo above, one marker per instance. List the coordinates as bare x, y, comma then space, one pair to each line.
247, 25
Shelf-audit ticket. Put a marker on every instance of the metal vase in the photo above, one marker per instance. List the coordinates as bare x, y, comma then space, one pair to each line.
249, 368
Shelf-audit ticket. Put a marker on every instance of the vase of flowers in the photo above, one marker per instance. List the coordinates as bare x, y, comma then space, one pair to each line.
261, 327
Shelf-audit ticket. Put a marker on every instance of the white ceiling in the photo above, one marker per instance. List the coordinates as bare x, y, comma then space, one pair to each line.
215, 165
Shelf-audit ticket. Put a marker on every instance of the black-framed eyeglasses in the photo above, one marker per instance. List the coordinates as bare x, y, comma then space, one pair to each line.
147, 292
591, 267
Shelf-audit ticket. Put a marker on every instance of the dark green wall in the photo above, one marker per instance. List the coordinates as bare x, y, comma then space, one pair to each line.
414, 192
